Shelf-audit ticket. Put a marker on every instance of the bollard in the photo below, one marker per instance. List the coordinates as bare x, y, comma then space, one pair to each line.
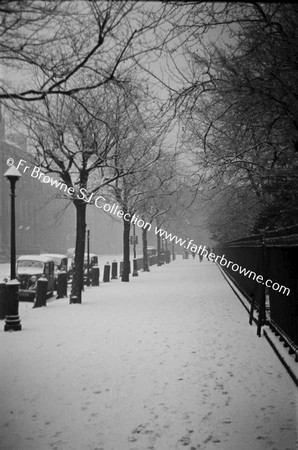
114, 270
2, 301
95, 276
41, 292
62, 284
12, 319
106, 273
135, 268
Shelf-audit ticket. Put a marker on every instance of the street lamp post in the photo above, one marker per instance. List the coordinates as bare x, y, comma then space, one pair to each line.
185, 251
135, 263
88, 257
12, 320
163, 259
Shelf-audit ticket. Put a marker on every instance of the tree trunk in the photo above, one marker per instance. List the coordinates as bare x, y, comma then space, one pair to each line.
158, 248
126, 262
167, 259
78, 275
145, 252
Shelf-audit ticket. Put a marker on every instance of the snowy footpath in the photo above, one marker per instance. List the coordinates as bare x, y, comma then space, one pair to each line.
164, 362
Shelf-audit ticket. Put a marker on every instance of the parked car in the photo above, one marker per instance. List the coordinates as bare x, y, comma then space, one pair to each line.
60, 262
93, 261
151, 251
29, 269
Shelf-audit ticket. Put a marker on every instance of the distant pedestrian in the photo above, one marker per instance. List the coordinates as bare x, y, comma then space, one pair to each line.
193, 254
201, 257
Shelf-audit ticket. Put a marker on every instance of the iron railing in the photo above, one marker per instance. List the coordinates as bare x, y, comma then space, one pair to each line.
274, 255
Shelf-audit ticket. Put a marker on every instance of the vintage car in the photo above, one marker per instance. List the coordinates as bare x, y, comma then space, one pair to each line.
29, 269
60, 261
93, 261
151, 251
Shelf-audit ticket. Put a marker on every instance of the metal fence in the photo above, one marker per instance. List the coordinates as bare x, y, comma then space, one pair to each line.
274, 255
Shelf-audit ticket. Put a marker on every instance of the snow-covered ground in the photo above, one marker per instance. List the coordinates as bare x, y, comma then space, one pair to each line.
166, 361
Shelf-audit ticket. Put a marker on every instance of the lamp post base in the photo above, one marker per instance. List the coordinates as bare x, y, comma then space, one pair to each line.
12, 323
12, 319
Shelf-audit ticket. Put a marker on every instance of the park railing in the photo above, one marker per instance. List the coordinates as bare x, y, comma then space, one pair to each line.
274, 255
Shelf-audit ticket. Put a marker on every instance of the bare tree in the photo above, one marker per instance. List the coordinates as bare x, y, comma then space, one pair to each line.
62, 48
80, 148
239, 105
141, 155
159, 200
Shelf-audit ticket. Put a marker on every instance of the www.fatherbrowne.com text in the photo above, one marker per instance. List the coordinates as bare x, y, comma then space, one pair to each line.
220, 259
